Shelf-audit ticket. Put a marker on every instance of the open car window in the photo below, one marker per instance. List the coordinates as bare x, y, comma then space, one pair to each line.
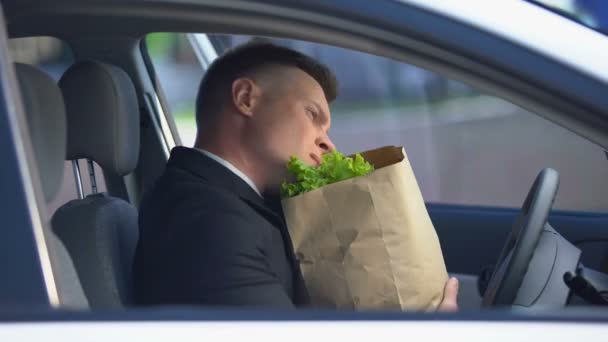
467, 147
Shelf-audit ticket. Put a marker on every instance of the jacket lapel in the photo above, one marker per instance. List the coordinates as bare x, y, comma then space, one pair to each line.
300, 293
207, 168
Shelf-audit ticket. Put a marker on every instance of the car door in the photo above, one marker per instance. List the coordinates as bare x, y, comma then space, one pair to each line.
468, 245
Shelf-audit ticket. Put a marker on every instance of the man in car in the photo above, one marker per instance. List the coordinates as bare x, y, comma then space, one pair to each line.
211, 228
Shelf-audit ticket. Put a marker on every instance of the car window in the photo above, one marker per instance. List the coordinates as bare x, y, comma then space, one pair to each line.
50, 54
179, 71
54, 56
466, 147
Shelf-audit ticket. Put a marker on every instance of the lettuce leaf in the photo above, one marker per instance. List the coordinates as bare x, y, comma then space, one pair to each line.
334, 167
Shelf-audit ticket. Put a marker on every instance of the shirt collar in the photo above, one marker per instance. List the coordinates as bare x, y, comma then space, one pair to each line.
232, 168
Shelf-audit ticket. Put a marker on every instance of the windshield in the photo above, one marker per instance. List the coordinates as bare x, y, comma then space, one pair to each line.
591, 13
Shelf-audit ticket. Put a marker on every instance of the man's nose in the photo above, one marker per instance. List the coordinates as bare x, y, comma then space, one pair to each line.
326, 144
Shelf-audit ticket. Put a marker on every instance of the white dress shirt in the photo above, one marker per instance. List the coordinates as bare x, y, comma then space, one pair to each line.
232, 168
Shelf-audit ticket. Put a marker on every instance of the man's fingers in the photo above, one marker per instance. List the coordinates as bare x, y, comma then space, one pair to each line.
451, 288
450, 296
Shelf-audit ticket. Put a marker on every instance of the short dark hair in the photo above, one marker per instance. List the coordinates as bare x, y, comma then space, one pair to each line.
215, 88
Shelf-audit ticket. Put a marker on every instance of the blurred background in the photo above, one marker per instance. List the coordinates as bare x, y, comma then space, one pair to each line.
466, 146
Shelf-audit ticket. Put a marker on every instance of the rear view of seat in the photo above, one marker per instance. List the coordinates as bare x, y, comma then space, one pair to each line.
100, 231
46, 119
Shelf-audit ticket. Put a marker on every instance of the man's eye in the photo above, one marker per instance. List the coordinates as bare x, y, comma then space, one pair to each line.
312, 114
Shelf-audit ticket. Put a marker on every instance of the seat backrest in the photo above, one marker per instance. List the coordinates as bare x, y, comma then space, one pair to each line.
46, 119
100, 231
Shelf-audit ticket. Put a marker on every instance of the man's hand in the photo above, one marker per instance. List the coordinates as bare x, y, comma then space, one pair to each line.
450, 295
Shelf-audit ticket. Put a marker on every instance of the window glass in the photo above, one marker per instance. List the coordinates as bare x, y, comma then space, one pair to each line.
466, 147
180, 73
47, 53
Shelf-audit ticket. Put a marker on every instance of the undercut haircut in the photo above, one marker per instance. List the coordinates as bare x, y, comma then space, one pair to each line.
215, 90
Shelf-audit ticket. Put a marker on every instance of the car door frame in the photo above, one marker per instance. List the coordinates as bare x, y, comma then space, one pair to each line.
25, 265
317, 4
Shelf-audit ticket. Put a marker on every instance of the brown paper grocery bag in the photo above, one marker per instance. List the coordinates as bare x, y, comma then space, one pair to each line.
368, 243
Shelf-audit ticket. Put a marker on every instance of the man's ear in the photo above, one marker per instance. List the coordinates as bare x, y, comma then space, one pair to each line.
245, 95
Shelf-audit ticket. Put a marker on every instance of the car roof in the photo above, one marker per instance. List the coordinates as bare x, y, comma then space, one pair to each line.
429, 36
535, 27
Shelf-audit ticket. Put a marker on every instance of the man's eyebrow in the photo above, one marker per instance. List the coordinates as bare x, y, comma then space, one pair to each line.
320, 110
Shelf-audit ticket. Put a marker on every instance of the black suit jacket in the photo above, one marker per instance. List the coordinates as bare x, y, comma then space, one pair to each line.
207, 238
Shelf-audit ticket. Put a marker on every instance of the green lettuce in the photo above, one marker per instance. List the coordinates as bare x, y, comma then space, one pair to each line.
334, 167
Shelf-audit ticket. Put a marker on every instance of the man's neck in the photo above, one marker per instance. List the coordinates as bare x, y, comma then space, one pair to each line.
238, 160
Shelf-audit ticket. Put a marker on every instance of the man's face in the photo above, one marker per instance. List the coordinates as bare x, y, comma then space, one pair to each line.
291, 118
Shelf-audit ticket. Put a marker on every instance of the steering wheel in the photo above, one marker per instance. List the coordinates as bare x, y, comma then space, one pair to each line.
522, 241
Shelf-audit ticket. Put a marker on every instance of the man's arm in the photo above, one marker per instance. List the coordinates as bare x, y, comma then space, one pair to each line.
222, 261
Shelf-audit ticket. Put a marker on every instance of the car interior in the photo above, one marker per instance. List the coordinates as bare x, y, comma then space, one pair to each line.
108, 111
